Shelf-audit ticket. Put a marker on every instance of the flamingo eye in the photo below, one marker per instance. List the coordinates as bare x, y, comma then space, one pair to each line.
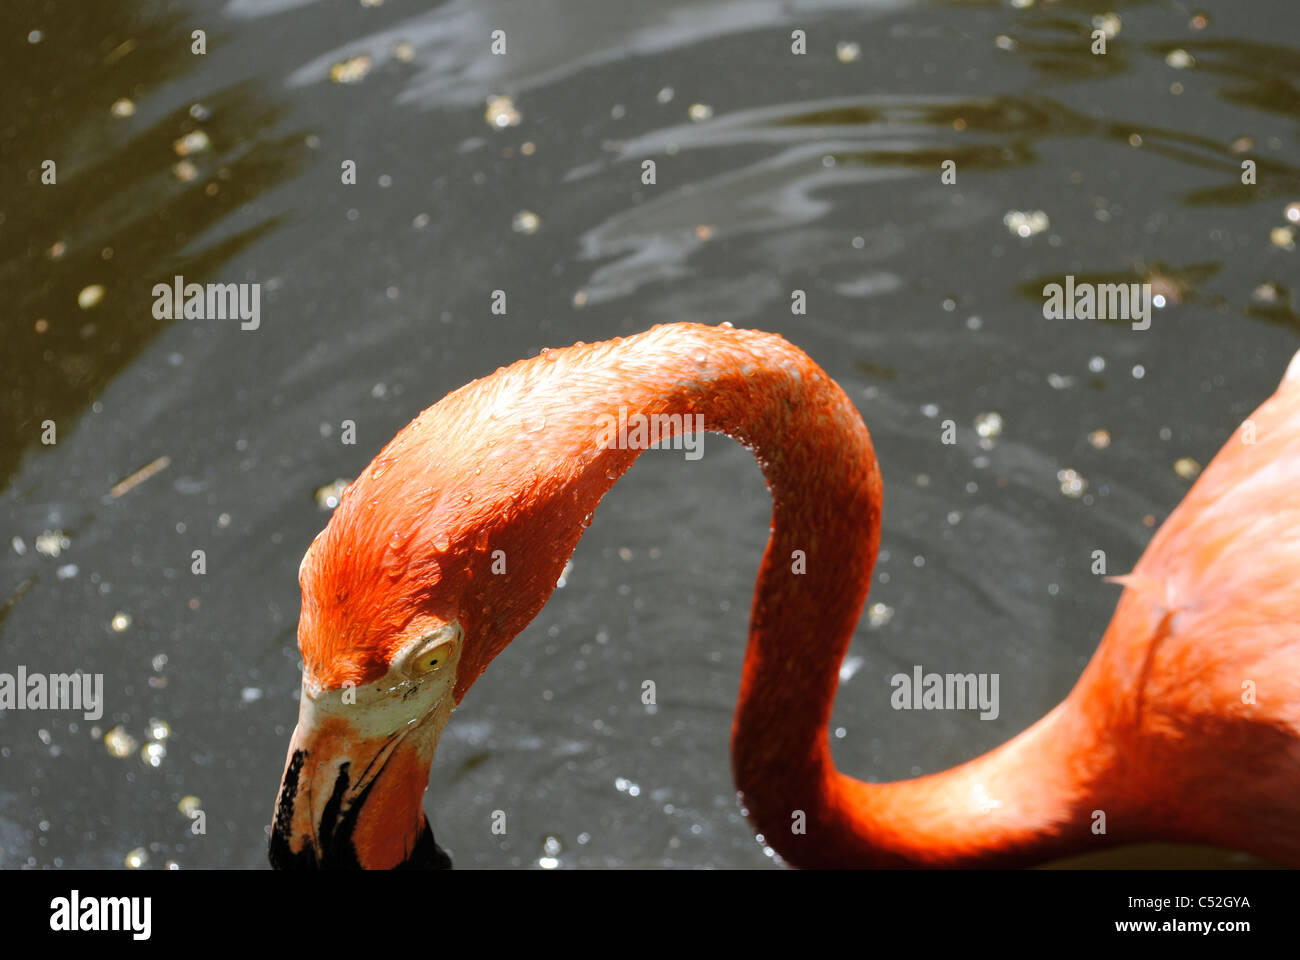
435, 650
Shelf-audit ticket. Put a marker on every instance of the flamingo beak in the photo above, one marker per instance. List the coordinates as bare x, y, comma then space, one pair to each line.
352, 791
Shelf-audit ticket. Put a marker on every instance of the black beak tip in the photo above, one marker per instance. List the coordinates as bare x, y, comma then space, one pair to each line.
339, 851
427, 855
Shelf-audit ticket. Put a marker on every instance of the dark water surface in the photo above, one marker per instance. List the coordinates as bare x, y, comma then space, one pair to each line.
816, 172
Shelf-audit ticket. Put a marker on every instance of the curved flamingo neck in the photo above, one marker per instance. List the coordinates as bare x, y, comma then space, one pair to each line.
511, 466
1017, 804
1013, 805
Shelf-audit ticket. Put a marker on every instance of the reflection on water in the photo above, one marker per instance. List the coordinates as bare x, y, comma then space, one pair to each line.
1264, 75
1175, 285
127, 209
775, 173
454, 64
1062, 49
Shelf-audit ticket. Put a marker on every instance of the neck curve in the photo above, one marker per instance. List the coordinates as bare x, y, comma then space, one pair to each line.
540, 429
1022, 802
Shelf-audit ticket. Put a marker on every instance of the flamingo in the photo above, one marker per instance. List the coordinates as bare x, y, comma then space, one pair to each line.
1183, 727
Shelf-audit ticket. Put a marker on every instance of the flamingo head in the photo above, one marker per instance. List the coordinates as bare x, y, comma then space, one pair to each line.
359, 762
435, 559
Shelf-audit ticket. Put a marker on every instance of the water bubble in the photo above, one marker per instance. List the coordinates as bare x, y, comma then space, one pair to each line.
1026, 223
350, 71
120, 743
194, 142
90, 296
1108, 23
153, 753
502, 113
989, 425
551, 850
1266, 293
1072, 483
879, 614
